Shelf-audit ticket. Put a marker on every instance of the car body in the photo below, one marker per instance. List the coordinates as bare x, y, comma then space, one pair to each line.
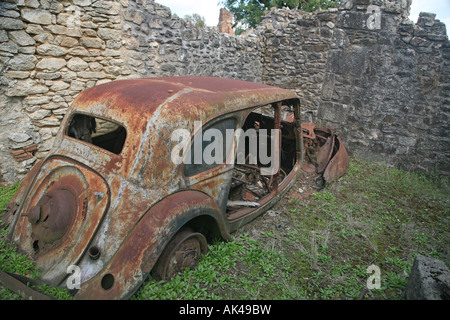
119, 208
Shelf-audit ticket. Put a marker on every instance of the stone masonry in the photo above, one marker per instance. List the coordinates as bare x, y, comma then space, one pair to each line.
365, 69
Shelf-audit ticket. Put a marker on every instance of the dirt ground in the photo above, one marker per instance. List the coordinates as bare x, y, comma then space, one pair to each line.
277, 219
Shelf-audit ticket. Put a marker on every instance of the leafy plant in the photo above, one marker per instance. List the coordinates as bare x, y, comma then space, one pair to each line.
249, 12
319, 245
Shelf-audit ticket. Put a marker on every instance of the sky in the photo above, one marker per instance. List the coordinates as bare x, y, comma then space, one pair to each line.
440, 7
209, 9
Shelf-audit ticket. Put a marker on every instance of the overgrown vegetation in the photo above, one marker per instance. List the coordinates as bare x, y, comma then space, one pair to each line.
15, 262
319, 244
248, 13
6, 194
196, 20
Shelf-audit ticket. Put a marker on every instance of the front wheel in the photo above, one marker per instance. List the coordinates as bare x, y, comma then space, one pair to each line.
183, 250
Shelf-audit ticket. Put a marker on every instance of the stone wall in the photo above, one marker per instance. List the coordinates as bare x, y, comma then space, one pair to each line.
364, 69
370, 72
49, 52
160, 44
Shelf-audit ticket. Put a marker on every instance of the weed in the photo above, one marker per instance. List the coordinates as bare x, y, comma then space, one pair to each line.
319, 247
6, 194
18, 263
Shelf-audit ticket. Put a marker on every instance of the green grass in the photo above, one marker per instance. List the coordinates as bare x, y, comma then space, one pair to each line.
318, 246
6, 194
14, 262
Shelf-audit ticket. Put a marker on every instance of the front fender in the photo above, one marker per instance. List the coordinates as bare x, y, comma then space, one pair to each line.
134, 260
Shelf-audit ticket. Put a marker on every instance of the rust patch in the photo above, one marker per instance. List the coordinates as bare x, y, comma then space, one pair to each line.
325, 152
144, 244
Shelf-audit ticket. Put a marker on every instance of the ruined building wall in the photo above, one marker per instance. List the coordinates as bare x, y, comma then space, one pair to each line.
52, 50
367, 70
364, 69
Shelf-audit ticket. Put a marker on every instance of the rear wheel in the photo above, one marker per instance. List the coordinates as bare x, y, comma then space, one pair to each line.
183, 250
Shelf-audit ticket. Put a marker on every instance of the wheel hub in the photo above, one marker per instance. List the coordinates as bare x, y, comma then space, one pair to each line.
52, 215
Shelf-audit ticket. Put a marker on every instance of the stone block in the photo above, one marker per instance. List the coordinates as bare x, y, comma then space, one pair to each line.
429, 280
69, 42
21, 38
7, 23
350, 61
79, 51
109, 34
91, 75
18, 137
9, 47
95, 43
51, 64
48, 122
3, 36
26, 87
40, 114
59, 85
47, 49
37, 16
77, 64
33, 4
82, 3
22, 62
27, 50
44, 37
18, 74
48, 75
38, 100
34, 29
328, 86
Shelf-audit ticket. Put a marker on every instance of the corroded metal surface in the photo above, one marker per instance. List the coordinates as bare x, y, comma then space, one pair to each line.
326, 152
112, 214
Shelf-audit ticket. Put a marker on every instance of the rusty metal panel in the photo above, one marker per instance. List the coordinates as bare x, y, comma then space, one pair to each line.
136, 256
325, 151
113, 213
58, 219
338, 164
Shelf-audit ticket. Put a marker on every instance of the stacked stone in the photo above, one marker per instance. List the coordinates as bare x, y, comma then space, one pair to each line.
430, 114
49, 52
363, 68
388, 85
296, 52
164, 45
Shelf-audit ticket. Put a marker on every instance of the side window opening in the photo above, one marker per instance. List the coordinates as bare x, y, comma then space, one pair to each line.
209, 147
249, 186
102, 133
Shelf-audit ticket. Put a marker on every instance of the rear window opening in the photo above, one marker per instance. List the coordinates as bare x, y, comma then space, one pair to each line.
102, 133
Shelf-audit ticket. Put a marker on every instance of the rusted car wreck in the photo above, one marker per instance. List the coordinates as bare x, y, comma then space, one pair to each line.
110, 199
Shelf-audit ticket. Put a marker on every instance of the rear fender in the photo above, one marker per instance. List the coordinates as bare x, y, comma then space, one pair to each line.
134, 260
12, 209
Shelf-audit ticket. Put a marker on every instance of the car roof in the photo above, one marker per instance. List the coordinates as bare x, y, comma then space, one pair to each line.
196, 97
151, 109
